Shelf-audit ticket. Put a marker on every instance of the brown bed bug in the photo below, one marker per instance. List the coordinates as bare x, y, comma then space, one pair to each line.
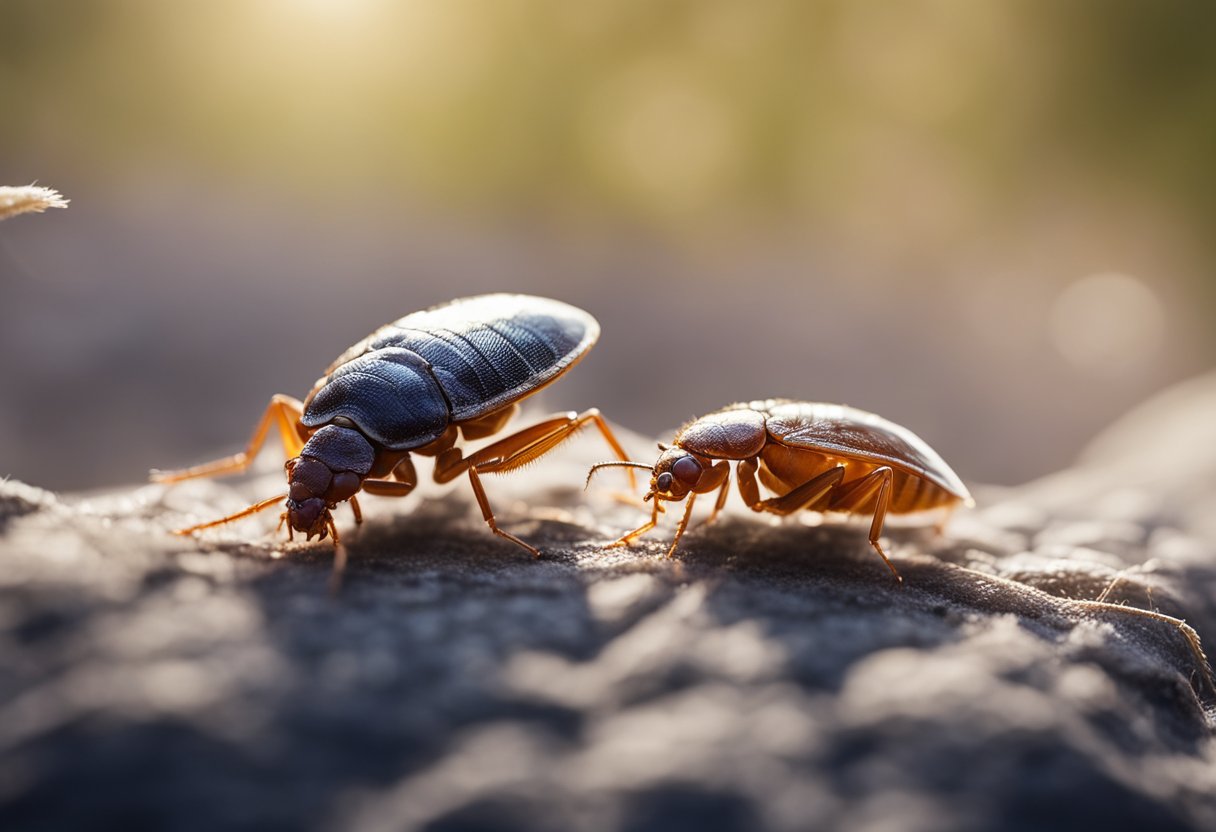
414, 387
814, 456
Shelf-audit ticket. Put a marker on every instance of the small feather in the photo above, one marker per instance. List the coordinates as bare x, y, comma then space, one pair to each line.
28, 199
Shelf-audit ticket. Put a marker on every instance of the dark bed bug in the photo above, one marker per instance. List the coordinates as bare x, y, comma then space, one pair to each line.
813, 456
414, 387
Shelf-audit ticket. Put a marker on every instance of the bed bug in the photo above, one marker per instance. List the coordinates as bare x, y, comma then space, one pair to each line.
813, 456
416, 386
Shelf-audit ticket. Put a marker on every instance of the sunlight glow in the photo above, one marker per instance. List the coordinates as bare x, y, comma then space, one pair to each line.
1108, 324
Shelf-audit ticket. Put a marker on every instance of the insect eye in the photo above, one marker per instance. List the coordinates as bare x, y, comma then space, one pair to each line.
687, 470
664, 481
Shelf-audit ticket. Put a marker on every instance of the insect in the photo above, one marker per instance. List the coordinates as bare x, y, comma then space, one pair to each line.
414, 387
814, 456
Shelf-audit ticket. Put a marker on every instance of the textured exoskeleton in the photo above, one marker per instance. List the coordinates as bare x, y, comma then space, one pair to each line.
811, 455
416, 386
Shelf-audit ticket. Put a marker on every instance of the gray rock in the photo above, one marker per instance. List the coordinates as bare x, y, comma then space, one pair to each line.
772, 676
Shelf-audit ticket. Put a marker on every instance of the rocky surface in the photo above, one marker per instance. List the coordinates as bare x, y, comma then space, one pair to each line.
771, 677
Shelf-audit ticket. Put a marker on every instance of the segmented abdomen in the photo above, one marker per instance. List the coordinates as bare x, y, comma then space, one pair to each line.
469, 358
783, 468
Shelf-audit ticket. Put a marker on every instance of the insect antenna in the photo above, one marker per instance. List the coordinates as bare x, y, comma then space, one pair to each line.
613, 464
253, 509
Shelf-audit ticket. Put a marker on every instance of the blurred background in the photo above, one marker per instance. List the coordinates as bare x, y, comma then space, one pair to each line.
989, 222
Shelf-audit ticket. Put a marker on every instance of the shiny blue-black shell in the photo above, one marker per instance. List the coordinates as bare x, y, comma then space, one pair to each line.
404, 384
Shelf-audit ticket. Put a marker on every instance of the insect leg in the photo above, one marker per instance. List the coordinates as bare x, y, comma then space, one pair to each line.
445, 441
406, 472
611, 439
489, 424
488, 513
718, 473
405, 480
1194, 645
804, 496
627, 539
563, 427
381, 488
515, 451
283, 411
852, 496
533, 442
522, 447
388, 488
692, 498
745, 474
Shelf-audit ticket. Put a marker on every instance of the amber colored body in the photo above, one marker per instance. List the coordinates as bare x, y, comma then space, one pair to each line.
826, 458
813, 456
920, 480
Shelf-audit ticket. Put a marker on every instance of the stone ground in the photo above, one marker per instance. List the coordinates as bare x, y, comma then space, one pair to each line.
772, 676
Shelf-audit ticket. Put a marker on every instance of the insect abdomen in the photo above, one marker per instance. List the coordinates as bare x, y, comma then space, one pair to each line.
911, 493
408, 381
785, 468
490, 351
